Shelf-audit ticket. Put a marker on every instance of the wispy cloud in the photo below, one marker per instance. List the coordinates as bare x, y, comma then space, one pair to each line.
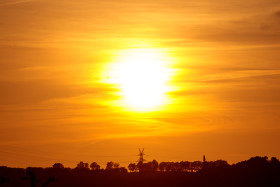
13, 2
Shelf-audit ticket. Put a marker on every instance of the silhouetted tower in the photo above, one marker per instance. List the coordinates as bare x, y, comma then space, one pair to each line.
141, 156
204, 159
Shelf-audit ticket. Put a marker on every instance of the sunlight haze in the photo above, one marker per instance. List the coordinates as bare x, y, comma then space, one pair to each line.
96, 80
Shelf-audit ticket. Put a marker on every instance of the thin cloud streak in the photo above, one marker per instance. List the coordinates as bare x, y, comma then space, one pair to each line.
14, 2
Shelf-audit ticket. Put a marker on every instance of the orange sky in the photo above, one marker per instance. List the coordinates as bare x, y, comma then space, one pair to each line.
60, 103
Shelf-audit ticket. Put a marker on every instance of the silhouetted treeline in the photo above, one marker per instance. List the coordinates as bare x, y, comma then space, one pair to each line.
257, 171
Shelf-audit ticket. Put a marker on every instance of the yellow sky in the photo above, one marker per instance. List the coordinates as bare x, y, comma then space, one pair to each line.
63, 99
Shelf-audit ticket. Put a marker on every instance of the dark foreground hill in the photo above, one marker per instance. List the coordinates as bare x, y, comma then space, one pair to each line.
257, 171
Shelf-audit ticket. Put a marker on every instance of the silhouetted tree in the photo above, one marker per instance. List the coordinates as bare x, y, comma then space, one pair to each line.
180, 166
94, 166
122, 170
58, 166
162, 166
254, 172
149, 166
116, 165
220, 164
274, 161
154, 165
109, 165
139, 166
254, 163
175, 166
196, 165
168, 166
132, 167
112, 165
82, 165
185, 165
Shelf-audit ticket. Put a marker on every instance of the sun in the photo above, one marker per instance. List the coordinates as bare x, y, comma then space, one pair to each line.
142, 75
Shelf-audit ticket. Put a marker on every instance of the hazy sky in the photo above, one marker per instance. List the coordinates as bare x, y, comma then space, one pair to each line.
56, 104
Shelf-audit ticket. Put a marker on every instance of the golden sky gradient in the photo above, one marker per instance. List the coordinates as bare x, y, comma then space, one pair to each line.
211, 77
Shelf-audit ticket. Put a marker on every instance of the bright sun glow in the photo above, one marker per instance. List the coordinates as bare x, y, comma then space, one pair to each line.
143, 76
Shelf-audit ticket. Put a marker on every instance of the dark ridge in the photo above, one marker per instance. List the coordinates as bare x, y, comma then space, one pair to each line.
255, 172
